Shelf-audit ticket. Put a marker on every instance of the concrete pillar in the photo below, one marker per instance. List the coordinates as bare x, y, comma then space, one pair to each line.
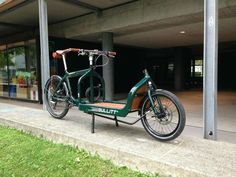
44, 48
179, 65
210, 69
108, 70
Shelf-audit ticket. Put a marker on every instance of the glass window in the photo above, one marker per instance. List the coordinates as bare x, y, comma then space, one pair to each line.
197, 72
197, 67
32, 70
18, 70
170, 69
3, 72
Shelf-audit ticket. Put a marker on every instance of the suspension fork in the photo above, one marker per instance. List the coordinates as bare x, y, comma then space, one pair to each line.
150, 91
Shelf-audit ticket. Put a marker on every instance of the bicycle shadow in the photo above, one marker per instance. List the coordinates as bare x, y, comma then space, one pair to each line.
108, 127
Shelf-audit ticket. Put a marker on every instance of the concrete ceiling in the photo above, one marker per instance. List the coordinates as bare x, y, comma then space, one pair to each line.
104, 4
25, 12
174, 36
25, 17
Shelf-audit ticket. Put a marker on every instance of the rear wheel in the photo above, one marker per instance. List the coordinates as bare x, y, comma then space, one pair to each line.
56, 97
167, 125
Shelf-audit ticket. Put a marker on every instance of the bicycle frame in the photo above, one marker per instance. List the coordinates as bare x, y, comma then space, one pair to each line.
82, 74
135, 96
143, 88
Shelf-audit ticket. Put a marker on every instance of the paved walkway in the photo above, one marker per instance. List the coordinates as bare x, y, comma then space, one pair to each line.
127, 145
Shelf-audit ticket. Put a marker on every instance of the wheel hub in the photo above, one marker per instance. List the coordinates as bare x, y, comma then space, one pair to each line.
165, 117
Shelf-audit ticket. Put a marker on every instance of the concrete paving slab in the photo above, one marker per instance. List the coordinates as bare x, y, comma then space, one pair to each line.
127, 145
226, 115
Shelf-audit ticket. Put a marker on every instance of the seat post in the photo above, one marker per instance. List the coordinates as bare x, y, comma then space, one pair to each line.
91, 78
64, 61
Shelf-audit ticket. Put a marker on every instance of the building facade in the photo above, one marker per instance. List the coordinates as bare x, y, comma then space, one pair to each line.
164, 36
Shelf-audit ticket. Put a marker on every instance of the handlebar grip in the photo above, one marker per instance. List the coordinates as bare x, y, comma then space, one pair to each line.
56, 55
111, 54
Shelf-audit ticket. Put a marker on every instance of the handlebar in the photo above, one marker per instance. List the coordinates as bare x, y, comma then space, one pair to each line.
59, 53
97, 52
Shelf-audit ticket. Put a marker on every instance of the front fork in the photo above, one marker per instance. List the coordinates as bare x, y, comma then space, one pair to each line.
151, 90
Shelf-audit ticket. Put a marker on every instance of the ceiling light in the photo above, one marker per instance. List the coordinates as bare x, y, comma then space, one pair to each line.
182, 32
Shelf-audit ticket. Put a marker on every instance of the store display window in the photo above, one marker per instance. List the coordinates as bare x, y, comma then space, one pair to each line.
18, 70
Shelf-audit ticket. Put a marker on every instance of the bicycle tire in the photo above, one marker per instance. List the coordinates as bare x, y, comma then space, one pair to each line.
96, 97
167, 99
53, 97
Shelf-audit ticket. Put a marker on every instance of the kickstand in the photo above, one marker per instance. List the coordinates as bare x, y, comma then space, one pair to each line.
93, 122
116, 121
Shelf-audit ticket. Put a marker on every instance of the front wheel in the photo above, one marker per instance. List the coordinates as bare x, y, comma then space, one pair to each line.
169, 120
96, 92
56, 97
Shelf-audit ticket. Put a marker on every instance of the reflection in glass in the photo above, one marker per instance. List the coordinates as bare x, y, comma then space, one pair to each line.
18, 70
32, 70
3, 72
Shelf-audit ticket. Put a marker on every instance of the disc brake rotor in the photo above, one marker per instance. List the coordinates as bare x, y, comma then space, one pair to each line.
164, 120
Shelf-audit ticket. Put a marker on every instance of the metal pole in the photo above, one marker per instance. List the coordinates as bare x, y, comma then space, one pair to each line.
210, 69
108, 70
44, 51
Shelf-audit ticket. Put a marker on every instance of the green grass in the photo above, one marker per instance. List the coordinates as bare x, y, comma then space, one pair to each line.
22, 154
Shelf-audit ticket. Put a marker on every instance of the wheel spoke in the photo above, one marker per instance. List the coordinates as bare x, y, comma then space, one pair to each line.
164, 124
56, 100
